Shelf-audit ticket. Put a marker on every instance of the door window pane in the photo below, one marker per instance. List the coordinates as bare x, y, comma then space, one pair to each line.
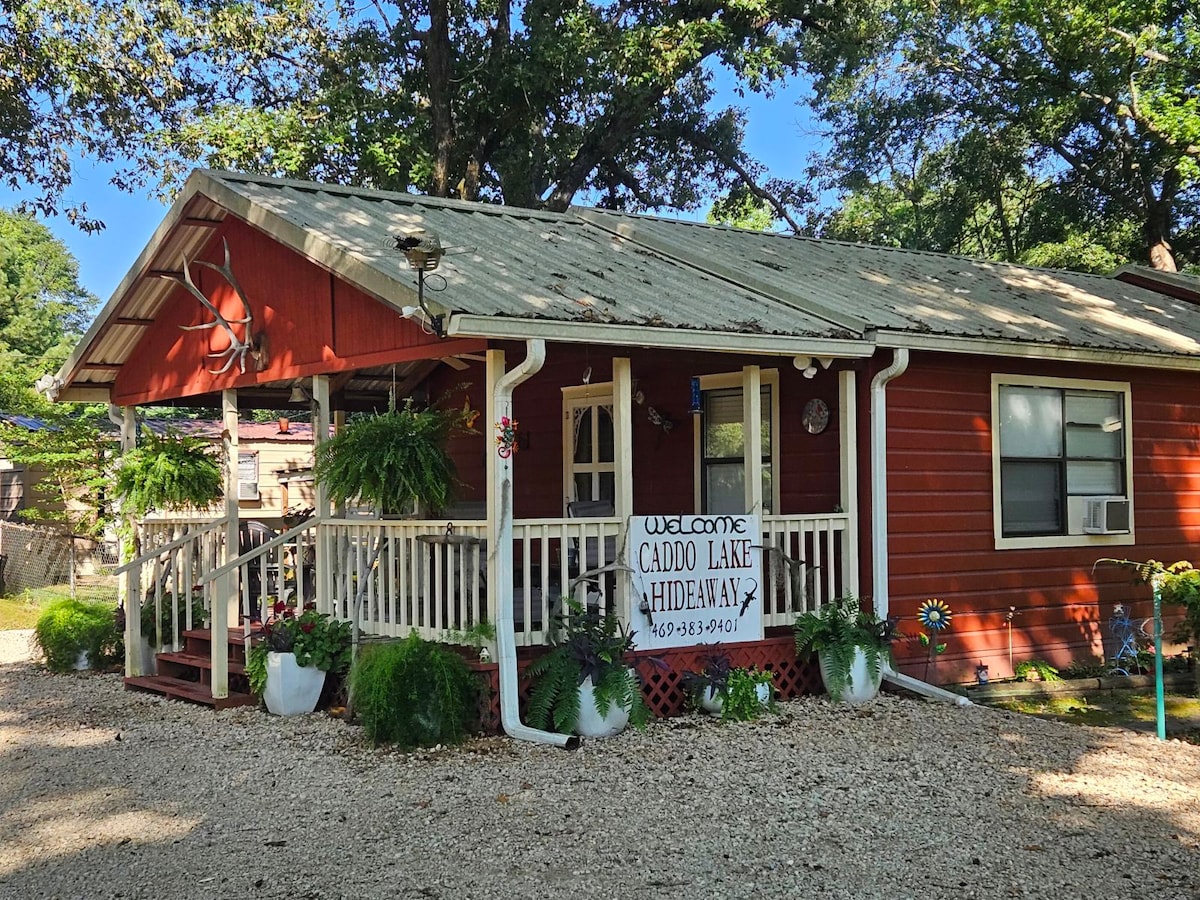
605, 438
583, 435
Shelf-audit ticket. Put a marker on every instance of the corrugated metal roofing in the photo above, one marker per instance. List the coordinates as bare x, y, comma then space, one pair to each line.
905, 291
660, 276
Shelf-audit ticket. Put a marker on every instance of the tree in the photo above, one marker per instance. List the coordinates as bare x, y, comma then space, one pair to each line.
43, 308
95, 78
525, 103
1097, 99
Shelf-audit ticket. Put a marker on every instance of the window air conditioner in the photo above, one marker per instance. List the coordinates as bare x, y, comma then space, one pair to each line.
1106, 515
247, 490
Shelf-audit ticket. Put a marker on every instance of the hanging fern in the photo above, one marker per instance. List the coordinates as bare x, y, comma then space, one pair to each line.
390, 460
172, 472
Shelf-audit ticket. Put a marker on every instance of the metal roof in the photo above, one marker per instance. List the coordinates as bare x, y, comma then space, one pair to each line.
903, 292
597, 276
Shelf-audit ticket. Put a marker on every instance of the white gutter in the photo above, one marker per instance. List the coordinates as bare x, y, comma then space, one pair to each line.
502, 497
879, 523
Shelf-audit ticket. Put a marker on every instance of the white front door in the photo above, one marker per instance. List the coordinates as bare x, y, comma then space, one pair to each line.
589, 444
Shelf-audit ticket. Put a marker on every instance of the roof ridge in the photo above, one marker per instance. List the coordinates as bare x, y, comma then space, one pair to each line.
382, 195
862, 245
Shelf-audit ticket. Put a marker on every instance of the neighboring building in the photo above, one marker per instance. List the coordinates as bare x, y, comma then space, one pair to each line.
928, 425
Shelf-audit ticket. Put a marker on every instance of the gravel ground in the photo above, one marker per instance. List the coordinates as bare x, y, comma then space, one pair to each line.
105, 793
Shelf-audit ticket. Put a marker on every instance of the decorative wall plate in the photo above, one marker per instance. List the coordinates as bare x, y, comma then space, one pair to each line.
815, 417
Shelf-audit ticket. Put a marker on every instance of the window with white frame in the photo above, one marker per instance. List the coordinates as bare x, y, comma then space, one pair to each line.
1059, 442
247, 475
589, 443
722, 465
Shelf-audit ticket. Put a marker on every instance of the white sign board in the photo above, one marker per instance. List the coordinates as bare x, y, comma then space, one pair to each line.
695, 580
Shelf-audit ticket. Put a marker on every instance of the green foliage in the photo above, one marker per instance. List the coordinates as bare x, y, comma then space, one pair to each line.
979, 116
69, 627
1085, 667
741, 700
391, 460
172, 472
43, 307
1036, 670
1179, 585
75, 457
96, 78
315, 639
835, 631
741, 209
413, 693
148, 625
588, 645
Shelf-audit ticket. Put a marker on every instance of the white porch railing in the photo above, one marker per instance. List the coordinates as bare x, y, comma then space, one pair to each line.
432, 575
807, 561
174, 560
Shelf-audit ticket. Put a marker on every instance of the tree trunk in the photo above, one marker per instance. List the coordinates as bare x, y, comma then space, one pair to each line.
1157, 230
438, 57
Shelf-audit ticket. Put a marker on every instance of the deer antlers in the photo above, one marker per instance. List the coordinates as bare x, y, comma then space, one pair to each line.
251, 344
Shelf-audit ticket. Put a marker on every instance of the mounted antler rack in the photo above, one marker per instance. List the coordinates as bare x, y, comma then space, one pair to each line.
249, 343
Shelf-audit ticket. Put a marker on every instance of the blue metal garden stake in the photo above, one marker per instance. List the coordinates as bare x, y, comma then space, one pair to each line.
1160, 700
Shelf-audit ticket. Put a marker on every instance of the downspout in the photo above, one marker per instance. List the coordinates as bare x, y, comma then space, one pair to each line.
879, 523
506, 642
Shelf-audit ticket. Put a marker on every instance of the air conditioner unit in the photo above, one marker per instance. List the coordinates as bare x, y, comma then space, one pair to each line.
1106, 515
247, 490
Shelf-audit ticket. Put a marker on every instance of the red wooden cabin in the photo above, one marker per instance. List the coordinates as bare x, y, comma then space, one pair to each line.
1011, 425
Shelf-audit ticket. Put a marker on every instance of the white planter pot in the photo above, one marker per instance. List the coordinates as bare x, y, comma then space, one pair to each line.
713, 703
291, 690
81, 661
861, 687
591, 723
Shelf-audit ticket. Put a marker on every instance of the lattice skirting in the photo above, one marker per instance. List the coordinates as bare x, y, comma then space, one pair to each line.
662, 686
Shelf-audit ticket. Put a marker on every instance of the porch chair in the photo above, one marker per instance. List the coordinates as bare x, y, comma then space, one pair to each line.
253, 534
596, 577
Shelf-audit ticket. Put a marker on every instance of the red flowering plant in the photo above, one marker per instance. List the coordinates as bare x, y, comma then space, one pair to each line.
315, 639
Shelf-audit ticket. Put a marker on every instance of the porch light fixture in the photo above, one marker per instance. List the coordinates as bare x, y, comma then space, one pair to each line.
424, 253
299, 395
808, 364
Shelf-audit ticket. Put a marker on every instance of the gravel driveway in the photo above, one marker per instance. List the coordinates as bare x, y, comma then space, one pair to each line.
105, 793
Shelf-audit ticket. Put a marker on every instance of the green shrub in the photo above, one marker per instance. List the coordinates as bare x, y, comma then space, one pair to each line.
1036, 670
149, 632
69, 627
413, 693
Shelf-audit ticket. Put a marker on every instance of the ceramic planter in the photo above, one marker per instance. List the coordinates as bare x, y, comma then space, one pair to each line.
712, 702
291, 690
591, 723
149, 658
861, 687
81, 661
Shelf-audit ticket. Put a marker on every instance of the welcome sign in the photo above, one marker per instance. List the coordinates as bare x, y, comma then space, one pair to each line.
695, 580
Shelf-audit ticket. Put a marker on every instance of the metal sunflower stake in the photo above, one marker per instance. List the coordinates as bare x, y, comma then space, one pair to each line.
934, 615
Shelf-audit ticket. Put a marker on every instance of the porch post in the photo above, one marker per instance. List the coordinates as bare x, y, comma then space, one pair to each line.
324, 560
848, 439
623, 438
227, 586
129, 589
752, 439
494, 362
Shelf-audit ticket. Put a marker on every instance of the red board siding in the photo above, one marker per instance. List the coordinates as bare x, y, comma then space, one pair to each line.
663, 462
940, 516
312, 323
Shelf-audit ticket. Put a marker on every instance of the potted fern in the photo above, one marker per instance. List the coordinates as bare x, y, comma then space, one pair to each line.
585, 684
851, 644
391, 460
721, 689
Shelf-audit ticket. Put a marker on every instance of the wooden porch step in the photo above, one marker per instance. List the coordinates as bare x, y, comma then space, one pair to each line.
199, 661
192, 691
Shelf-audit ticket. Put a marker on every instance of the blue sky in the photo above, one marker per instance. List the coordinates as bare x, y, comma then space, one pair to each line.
778, 135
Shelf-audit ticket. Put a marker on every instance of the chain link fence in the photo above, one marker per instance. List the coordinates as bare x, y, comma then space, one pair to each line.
34, 559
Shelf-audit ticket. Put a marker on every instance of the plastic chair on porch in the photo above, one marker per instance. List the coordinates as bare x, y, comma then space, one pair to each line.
252, 535
586, 568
